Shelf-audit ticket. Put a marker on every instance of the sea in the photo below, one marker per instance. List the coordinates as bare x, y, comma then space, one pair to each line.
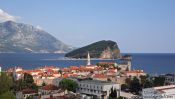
151, 63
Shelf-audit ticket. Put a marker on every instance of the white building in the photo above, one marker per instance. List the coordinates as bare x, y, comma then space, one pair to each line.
162, 92
26, 93
99, 89
0, 69
169, 79
88, 59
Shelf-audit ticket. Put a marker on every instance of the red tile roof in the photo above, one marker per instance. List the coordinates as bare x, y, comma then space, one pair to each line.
135, 71
58, 97
100, 76
74, 68
50, 87
29, 91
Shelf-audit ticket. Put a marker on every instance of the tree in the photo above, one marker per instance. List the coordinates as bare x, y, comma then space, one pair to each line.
30, 97
68, 84
158, 81
5, 83
143, 79
118, 68
113, 94
109, 79
60, 71
43, 84
26, 82
145, 82
7, 95
124, 87
148, 84
28, 78
128, 81
135, 86
120, 97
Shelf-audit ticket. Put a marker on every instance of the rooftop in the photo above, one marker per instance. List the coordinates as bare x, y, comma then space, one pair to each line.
29, 91
166, 89
98, 82
100, 76
50, 87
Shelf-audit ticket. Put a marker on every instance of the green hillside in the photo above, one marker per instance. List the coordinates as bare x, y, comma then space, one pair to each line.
95, 50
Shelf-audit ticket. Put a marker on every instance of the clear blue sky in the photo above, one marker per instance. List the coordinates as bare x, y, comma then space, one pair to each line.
146, 26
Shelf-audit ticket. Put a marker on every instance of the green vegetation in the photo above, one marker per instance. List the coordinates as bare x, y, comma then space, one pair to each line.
135, 85
113, 94
145, 82
95, 50
68, 84
6, 83
7, 95
121, 97
43, 84
60, 72
26, 82
106, 65
158, 81
30, 97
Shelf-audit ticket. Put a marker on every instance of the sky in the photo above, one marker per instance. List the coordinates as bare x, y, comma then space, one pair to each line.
138, 26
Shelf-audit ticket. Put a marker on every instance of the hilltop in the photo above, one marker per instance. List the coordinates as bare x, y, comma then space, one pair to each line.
101, 49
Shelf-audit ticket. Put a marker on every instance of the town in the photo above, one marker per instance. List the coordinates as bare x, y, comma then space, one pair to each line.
104, 80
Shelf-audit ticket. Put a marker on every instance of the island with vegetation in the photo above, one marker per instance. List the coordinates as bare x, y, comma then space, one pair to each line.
105, 49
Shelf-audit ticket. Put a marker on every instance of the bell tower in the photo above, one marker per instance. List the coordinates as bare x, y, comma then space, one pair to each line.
88, 59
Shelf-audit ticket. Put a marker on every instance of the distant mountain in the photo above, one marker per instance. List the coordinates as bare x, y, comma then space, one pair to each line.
101, 49
19, 37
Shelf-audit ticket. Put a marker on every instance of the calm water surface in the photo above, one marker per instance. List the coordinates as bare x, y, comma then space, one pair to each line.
151, 63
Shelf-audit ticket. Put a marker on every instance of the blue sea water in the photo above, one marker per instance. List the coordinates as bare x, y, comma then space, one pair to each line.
150, 63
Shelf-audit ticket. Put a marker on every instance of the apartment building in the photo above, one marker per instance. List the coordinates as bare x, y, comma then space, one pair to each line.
96, 88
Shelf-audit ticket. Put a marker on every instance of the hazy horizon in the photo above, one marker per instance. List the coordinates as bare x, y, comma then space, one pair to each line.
145, 26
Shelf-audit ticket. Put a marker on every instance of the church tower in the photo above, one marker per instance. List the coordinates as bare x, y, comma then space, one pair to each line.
88, 59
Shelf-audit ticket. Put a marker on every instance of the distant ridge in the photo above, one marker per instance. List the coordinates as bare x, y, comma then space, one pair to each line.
19, 37
105, 49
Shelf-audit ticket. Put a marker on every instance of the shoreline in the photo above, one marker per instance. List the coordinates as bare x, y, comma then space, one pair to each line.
81, 59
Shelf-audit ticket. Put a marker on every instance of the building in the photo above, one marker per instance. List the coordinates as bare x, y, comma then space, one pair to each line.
101, 77
169, 79
125, 66
135, 73
88, 59
96, 88
0, 69
26, 93
162, 92
48, 89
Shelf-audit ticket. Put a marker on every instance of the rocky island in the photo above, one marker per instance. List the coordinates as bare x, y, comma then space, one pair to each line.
104, 49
